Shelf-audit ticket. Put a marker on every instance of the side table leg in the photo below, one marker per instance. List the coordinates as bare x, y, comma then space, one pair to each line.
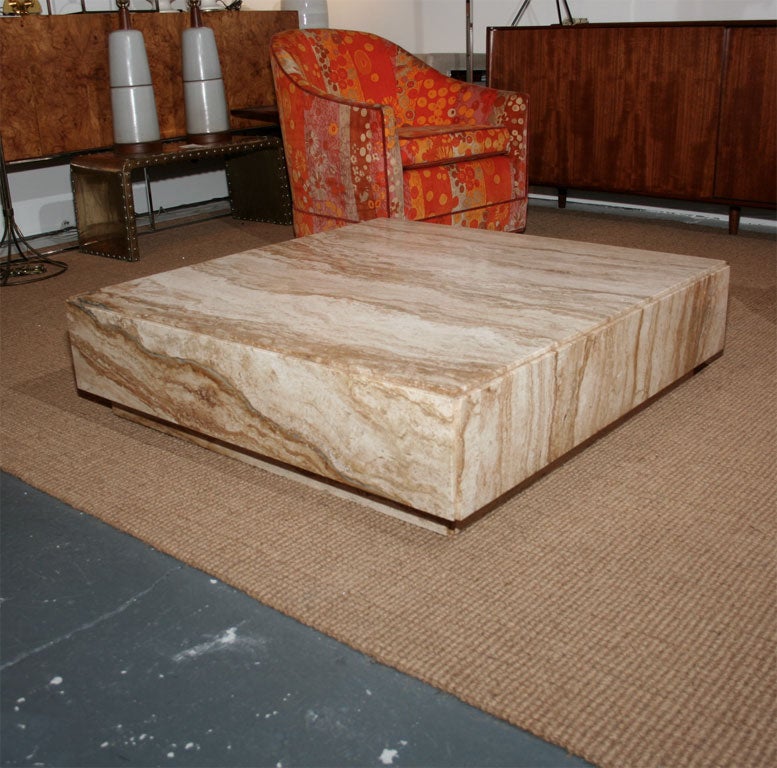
734, 212
105, 213
259, 186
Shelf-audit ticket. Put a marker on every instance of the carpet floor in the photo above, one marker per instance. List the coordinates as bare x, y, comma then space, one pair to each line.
623, 606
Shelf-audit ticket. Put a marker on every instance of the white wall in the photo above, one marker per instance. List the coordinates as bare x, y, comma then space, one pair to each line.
438, 26
42, 199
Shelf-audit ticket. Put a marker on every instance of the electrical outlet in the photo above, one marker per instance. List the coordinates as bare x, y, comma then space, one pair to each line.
574, 22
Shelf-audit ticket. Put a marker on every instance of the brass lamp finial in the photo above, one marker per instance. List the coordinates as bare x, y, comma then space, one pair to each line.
20, 7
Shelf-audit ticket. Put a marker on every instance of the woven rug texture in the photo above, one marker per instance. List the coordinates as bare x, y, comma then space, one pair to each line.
622, 606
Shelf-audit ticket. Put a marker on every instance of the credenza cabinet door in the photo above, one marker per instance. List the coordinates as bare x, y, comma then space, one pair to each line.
747, 141
622, 108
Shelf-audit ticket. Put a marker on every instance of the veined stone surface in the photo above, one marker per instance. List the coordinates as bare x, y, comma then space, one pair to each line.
434, 366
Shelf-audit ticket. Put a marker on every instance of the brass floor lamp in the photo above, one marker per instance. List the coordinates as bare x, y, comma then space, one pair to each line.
516, 20
518, 16
28, 265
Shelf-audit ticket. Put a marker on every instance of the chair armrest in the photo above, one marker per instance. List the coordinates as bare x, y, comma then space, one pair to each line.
445, 100
480, 104
495, 107
343, 156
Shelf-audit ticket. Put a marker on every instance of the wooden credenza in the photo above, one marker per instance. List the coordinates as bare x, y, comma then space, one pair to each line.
672, 110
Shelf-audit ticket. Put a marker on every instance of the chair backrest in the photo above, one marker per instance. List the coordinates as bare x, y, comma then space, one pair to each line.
357, 66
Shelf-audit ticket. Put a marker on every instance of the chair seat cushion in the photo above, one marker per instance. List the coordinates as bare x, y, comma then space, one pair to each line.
434, 144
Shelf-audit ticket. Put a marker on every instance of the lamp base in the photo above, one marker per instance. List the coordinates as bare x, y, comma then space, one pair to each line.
218, 137
139, 148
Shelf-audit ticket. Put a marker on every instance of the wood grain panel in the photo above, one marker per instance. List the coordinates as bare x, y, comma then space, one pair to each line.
55, 87
163, 46
747, 143
617, 107
18, 120
73, 101
245, 61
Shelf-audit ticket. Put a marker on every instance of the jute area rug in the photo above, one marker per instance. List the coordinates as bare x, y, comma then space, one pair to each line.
623, 606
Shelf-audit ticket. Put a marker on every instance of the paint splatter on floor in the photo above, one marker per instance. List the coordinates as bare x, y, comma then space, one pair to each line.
388, 756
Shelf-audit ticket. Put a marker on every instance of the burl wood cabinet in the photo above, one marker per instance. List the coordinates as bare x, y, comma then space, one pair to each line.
680, 110
55, 95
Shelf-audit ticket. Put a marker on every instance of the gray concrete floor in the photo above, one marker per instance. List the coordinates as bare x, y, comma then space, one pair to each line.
113, 654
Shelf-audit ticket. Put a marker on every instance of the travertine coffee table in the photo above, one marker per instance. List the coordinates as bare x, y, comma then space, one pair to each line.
432, 367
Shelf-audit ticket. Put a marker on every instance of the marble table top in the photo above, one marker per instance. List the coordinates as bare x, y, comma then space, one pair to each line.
417, 304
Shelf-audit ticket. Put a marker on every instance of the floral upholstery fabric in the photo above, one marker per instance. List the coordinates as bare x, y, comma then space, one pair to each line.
371, 131
433, 144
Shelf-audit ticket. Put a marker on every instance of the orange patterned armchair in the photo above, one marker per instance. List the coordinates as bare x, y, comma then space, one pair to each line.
371, 131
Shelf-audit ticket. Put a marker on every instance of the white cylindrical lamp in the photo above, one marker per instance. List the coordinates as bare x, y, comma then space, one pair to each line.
133, 105
312, 13
205, 101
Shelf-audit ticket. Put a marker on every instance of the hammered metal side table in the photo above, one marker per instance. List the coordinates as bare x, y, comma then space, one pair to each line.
105, 208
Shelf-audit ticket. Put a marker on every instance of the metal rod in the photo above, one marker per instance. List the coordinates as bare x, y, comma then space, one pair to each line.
518, 16
470, 74
149, 201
